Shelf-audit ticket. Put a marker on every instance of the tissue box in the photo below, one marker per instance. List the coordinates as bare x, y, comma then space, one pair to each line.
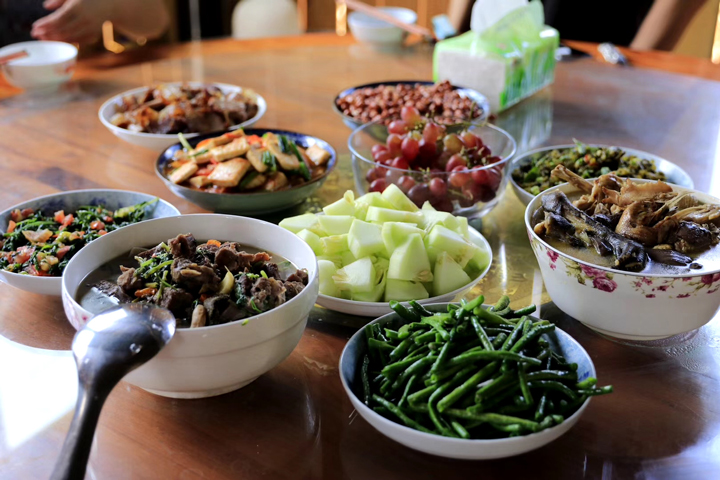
507, 62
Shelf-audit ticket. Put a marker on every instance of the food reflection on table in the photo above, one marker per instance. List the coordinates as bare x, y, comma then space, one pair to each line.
238, 163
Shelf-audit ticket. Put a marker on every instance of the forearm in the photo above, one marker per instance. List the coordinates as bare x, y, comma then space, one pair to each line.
665, 24
140, 18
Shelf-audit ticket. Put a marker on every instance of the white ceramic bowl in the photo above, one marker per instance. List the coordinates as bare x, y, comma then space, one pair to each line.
161, 141
49, 64
350, 364
376, 32
375, 309
207, 361
621, 304
69, 201
674, 174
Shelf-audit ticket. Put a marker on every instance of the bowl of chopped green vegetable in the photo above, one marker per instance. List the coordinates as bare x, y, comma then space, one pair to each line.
468, 381
530, 172
42, 235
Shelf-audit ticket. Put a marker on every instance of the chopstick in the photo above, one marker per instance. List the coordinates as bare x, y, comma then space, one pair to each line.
380, 15
13, 56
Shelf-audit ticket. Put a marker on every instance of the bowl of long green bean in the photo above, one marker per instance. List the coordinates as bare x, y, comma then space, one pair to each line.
467, 381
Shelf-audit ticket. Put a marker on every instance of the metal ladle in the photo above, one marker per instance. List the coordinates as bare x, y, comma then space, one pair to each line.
110, 345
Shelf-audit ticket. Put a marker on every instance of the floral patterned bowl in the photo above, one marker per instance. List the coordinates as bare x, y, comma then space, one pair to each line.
621, 304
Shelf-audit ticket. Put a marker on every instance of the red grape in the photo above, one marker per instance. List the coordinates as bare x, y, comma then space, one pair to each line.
376, 149
443, 204
459, 177
480, 176
382, 156
452, 143
378, 185
410, 114
493, 159
454, 162
431, 132
373, 174
394, 142
427, 150
398, 127
419, 194
405, 183
410, 148
438, 187
392, 175
400, 163
469, 139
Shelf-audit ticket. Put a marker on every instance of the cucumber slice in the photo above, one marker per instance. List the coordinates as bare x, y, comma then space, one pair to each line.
394, 234
346, 258
442, 239
382, 215
479, 262
344, 206
373, 199
448, 275
307, 221
312, 240
326, 270
398, 199
365, 239
357, 277
402, 290
335, 224
410, 261
376, 294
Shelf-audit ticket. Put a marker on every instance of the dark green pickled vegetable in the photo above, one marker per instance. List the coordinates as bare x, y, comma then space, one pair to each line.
588, 162
471, 372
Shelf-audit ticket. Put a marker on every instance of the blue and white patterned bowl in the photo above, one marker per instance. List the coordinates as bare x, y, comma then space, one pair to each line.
69, 201
351, 362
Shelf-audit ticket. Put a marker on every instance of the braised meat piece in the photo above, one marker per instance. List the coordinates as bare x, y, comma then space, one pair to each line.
222, 309
299, 276
293, 289
268, 293
182, 246
193, 276
176, 300
113, 290
231, 257
128, 281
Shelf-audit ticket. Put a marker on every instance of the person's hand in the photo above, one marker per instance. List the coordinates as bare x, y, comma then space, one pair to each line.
73, 21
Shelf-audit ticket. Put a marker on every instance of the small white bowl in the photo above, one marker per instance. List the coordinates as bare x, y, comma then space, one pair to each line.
207, 361
375, 309
49, 64
69, 201
351, 361
628, 305
674, 173
376, 32
161, 141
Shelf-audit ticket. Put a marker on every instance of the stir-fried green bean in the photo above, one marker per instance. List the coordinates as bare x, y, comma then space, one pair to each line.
471, 372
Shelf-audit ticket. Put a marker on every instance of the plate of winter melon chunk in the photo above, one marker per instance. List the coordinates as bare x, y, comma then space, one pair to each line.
382, 247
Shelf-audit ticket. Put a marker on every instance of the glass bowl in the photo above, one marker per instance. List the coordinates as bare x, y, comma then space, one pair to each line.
471, 192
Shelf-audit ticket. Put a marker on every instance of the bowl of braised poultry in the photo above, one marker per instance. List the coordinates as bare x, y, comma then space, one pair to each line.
630, 258
240, 290
246, 172
151, 117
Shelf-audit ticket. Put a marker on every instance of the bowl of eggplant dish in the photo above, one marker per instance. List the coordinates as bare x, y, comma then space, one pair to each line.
240, 290
645, 247
246, 172
531, 172
39, 237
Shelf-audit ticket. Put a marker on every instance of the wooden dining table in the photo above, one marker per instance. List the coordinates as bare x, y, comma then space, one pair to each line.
296, 422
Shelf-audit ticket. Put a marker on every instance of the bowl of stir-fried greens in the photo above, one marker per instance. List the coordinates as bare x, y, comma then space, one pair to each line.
40, 236
531, 171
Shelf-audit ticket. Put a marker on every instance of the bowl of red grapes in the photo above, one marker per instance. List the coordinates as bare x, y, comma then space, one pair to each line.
462, 171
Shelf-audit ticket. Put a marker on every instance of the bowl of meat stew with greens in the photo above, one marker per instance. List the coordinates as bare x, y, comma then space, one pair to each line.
240, 290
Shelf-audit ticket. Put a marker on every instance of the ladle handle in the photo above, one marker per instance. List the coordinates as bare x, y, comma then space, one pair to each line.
72, 463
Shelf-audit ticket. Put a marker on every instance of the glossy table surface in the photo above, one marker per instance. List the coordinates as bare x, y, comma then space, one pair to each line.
662, 422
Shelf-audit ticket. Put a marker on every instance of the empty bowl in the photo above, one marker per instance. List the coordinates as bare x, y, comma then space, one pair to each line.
377, 32
47, 66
